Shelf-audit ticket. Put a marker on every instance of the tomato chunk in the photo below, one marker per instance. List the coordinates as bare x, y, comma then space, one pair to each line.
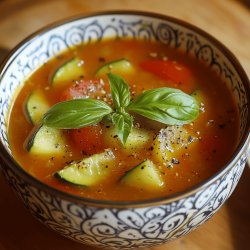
85, 89
167, 70
89, 139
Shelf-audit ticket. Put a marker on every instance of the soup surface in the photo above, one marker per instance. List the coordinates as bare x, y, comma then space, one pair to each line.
170, 158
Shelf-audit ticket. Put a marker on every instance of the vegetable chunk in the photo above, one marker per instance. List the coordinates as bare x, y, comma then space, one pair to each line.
170, 141
137, 139
89, 171
46, 141
36, 106
145, 175
121, 66
71, 70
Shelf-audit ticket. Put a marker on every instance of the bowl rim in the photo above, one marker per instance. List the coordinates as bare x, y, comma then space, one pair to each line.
31, 180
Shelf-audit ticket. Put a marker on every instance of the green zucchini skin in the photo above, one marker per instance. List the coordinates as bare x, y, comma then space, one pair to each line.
145, 175
36, 106
44, 140
120, 66
66, 182
67, 72
88, 171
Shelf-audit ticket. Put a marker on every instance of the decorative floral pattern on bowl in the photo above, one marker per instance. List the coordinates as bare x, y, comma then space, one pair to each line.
111, 225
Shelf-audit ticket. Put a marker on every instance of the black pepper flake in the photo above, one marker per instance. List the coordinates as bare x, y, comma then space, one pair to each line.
222, 126
175, 161
115, 136
69, 162
170, 166
101, 59
78, 162
190, 139
151, 148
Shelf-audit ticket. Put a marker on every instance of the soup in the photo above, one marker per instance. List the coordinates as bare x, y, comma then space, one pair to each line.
124, 151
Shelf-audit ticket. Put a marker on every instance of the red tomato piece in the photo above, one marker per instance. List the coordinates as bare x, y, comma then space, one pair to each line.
167, 70
89, 139
85, 89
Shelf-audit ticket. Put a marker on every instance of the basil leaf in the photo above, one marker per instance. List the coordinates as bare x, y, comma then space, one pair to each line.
166, 105
123, 125
119, 91
76, 113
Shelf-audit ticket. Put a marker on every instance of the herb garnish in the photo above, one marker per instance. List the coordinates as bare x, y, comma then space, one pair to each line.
166, 105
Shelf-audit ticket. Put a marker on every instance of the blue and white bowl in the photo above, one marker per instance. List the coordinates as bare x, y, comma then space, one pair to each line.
115, 225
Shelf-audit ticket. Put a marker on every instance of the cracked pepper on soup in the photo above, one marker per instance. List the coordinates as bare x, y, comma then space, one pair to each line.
123, 120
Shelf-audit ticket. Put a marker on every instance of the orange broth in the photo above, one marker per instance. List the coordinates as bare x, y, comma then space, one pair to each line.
217, 126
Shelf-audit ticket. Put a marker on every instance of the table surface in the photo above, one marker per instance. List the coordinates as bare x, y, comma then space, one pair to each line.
228, 21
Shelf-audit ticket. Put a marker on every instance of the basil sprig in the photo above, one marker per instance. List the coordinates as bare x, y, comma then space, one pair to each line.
119, 91
76, 113
122, 120
123, 125
166, 105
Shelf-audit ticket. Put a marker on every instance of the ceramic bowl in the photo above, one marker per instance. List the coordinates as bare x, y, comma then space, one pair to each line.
126, 225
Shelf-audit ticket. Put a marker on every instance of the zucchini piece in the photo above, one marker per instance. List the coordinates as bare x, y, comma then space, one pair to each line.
88, 171
46, 141
69, 71
170, 141
145, 175
36, 106
138, 138
121, 66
